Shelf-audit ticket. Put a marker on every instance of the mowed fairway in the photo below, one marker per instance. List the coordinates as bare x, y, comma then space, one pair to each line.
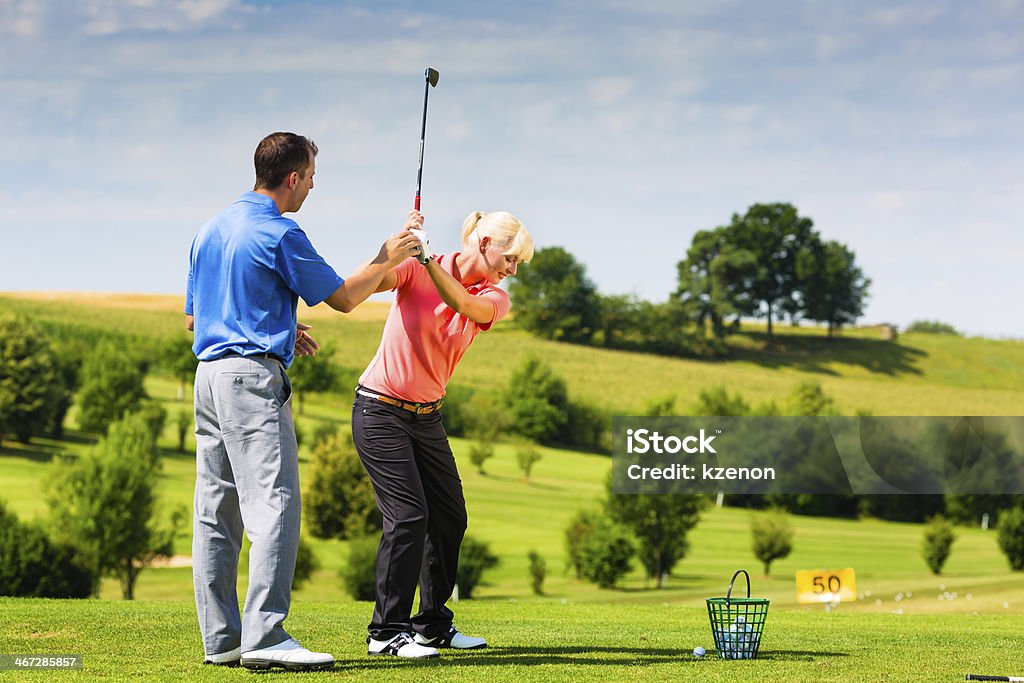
909, 625
530, 641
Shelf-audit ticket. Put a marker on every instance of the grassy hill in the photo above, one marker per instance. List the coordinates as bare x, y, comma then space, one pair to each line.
907, 624
516, 517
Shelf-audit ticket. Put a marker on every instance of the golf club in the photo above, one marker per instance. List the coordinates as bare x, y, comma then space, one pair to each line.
431, 77
1009, 679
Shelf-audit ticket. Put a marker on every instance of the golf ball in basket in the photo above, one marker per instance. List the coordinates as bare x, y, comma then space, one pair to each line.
698, 651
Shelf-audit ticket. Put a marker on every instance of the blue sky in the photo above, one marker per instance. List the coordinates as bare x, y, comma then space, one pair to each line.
614, 128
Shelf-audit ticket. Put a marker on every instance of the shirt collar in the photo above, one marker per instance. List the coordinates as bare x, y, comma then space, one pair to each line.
260, 199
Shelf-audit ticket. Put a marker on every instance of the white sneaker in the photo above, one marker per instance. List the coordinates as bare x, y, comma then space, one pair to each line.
401, 645
287, 655
229, 658
453, 639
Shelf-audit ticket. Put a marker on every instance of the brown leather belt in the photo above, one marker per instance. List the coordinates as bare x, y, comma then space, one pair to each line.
418, 408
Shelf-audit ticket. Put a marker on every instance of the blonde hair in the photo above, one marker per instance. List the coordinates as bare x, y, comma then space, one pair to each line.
504, 229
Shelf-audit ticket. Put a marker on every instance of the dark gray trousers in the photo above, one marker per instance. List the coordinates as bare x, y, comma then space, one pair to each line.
419, 493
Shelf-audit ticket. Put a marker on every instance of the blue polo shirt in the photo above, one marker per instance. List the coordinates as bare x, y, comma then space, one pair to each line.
247, 268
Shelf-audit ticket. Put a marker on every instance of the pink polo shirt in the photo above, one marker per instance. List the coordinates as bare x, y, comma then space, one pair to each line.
423, 338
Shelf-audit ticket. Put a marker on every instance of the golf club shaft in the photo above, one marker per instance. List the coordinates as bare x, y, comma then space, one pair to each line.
1010, 679
423, 136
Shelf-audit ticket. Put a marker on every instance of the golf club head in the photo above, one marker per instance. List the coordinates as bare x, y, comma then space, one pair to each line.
432, 77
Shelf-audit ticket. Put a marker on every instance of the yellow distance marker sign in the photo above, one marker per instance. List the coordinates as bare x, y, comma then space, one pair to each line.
821, 585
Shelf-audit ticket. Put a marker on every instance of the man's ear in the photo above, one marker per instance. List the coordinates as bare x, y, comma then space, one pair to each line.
293, 180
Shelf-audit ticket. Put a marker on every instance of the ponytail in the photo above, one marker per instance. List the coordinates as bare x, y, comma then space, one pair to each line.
469, 225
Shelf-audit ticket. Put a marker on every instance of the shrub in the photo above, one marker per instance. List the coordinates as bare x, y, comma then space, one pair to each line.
305, 563
359, 574
579, 527
475, 557
538, 570
324, 432
772, 538
606, 553
111, 387
339, 502
1011, 537
34, 566
31, 385
183, 423
938, 541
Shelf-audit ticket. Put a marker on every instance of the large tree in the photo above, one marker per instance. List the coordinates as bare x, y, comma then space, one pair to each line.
105, 503
554, 297
715, 281
833, 289
775, 234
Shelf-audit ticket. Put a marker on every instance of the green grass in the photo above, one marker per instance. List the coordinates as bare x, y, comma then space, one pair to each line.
578, 631
919, 374
531, 640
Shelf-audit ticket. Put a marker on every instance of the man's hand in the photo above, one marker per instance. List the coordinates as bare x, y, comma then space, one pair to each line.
399, 247
305, 345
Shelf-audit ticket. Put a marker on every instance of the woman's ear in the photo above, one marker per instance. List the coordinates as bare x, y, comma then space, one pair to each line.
484, 243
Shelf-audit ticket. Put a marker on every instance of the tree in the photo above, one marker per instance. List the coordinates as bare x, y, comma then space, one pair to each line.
1011, 537
555, 299
479, 453
938, 541
180, 361
659, 523
527, 455
31, 384
105, 503
339, 502
714, 281
314, 374
112, 385
538, 401
774, 234
833, 289
772, 538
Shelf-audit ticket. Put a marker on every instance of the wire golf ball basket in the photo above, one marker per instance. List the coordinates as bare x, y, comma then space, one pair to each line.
737, 623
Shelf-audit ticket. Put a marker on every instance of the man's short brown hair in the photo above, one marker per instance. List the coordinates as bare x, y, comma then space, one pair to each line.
279, 155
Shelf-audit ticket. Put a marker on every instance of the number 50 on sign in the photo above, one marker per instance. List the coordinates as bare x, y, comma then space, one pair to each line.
819, 585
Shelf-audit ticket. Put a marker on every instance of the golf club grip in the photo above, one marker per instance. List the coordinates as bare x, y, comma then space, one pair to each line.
977, 677
416, 204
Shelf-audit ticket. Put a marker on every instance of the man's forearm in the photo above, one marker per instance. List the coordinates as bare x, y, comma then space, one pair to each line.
358, 286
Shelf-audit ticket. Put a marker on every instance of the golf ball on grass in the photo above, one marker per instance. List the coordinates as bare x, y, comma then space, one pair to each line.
698, 651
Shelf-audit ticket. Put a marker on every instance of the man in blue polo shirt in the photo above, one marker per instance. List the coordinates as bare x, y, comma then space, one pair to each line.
248, 268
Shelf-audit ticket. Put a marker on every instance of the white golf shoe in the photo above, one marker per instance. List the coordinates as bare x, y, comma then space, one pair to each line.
454, 640
401, 645
287, 655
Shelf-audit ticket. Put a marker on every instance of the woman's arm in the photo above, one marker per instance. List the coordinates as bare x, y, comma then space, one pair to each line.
476, 308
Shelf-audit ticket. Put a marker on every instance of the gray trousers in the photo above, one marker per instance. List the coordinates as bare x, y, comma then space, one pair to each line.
247, 478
